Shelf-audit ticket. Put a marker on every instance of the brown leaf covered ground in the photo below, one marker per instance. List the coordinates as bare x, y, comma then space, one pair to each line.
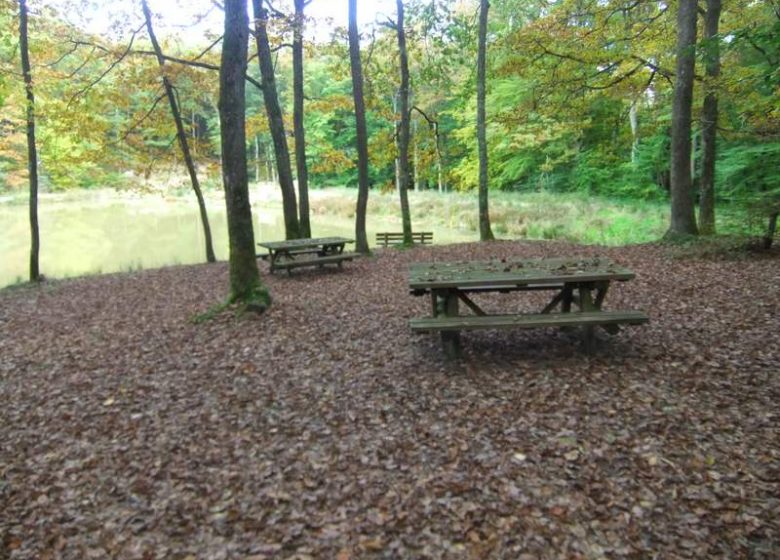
325, 429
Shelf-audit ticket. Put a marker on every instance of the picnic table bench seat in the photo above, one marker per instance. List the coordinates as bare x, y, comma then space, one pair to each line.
317, 261
527, 321
293, 252
385, 239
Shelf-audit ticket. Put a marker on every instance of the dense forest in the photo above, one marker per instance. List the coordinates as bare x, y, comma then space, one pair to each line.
579, 97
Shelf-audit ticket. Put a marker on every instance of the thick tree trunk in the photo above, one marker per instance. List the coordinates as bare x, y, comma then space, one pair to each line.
485, 233
683, 219
32, 151
403, 131
298, 129
361, 239
245, 285
276, 123
181, 135
709, 118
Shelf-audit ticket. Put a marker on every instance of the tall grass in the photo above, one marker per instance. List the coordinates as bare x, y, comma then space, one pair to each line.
573, 217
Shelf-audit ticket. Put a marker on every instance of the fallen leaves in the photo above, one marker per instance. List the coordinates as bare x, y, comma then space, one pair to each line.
325, 429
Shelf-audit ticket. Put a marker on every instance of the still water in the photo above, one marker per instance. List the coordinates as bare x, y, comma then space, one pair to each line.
107, 232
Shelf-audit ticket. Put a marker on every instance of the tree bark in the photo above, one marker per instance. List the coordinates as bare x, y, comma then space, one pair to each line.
709, 118
439, 164
361, 239
485, 232
32, 151
245, 285
276, 122
634, 122
298, 129
415, 157
403, 129
257, 159
770, 230
683, 219
181, 134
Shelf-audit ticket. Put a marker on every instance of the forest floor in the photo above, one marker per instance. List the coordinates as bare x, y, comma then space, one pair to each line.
325, 429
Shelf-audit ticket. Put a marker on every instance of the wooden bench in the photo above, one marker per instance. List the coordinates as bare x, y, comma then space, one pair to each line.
385, 239
294, 252
529, 321
316, 261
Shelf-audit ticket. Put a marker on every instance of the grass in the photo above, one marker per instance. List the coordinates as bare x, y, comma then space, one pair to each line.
569, 217
573, 217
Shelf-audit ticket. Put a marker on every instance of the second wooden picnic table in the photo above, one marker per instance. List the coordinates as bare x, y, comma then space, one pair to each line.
315, 251
580, 281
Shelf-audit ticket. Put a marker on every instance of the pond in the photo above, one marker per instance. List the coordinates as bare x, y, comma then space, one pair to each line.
106, 231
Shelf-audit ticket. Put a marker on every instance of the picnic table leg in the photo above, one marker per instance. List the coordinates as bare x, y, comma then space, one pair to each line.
587, 304
601, 293
450, 339
567, 298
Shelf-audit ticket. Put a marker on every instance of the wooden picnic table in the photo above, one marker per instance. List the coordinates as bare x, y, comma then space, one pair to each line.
583, 282
318, 251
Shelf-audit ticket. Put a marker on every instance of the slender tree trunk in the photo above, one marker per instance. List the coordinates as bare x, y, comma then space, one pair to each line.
415, 158
396, 134
439, 165
300, 135
276, 122
361, 239
634, 122
709, 118
257, 159
245, 285
683, 219
403, 133
485, 233
32, 151
181, 134
770, 230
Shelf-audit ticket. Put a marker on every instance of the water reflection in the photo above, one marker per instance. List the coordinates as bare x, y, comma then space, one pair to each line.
107, 232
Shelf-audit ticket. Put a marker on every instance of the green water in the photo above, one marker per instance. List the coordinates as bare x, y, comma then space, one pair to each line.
107, 232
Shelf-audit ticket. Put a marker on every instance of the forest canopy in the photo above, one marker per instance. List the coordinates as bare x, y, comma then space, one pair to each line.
578, 96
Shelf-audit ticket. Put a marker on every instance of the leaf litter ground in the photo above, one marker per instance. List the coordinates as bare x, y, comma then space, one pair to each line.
326, 429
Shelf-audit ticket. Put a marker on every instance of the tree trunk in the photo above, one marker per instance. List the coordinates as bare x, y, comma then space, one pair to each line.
181, 134
32, 151
415, 157
403, 132
361, 239
245, 285
396, 134
485, 233
634, 122
770, 231
683, 219
257, 158
300, 135
709, 118
276, 122
439, 165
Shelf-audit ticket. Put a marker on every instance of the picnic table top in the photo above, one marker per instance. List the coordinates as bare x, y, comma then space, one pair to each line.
304, 243
499, 272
